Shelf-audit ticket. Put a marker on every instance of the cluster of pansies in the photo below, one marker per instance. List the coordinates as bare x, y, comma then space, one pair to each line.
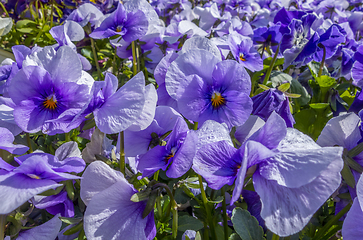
164, 119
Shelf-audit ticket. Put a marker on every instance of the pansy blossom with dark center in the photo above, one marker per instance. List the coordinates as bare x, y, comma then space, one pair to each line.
243, 50
206, 88
175, 157
129, 25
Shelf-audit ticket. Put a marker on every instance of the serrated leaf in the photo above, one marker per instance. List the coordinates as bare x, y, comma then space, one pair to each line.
246, 225
187, 222
325, 81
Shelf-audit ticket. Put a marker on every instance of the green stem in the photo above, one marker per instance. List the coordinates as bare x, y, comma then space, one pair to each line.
275, 237
29, 143
267, 77
195, 126
122, 152
51, 14
205, 203
156, 175
225, 219
96, 59
323, 61
114, 63
2, 226
67, 137
4, 9
174, 208
134, 58
332, 221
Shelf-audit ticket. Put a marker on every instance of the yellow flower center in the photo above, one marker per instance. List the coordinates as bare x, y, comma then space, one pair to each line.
33, 176
242, 57
172, 154
50, 102
119, 29
217, 99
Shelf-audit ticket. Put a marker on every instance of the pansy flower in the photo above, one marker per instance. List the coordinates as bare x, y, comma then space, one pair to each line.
206, 88
292, 175
42, 90
129, 25
110, 213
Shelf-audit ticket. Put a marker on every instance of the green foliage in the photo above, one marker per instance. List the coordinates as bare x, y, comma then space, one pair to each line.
246, 225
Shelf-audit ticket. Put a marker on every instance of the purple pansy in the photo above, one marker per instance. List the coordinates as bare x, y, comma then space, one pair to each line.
272, 100
176, 157
37, 173
42, 90
46, 231
276, 156
129, 25
351, 229
110, 213
243, 50
206, 88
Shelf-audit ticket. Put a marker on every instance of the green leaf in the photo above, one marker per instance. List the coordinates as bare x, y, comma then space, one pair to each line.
24, 23
314, 69
356, 150
347, 97
348, 176
279, 78
70, 220
187, 222
284, 87
297, 88
74, 229
325, 81
264, 87
141, 196
51, 192
234, 236
246, 225
319, 106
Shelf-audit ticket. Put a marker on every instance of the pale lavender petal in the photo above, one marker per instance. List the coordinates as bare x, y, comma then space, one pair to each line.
46, 231
284, 167
251, 153
16, 189
218, 163
66, 150
246, 130
199, 62
148, 111
212, 131
153, 160
183, 159
97, 177
112, 215
352, 225
342, 130
122, 108
287, 210
272, 132
6, 142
